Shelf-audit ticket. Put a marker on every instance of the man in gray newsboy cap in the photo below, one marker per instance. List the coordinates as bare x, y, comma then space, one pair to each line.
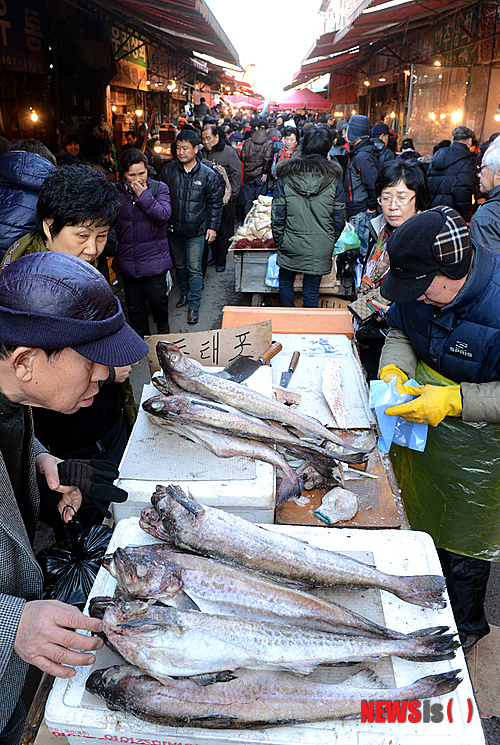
60, 329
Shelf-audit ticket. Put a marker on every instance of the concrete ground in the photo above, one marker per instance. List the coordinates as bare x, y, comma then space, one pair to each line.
218, 292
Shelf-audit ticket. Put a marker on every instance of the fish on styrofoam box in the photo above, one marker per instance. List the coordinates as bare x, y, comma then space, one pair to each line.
82, 717
156, 456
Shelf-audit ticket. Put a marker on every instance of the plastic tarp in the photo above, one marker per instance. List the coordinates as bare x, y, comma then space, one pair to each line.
452, 489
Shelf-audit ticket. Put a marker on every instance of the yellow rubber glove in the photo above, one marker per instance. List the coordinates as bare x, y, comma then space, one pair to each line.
434, 402
388, 372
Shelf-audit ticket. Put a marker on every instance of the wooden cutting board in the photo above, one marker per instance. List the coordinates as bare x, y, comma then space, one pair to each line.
377, 498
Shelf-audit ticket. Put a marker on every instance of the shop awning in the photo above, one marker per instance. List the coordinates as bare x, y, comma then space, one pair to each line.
323, 67
371, 21
187, 23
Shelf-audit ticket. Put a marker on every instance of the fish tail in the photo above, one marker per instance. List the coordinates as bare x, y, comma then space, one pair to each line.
434, 685
291, 486
425, 590
433, 648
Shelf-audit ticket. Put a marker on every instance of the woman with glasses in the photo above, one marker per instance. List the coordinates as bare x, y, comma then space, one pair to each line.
403, 191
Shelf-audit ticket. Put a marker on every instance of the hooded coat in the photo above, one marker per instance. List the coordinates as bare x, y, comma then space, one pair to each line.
141, 238
451, 177
21, 177
256, 155
308, 213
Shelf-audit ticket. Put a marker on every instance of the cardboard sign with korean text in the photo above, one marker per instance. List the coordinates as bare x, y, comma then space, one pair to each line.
218, 347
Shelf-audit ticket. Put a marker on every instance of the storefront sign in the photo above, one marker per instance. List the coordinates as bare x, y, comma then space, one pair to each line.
451, 40
128, 47
22, 37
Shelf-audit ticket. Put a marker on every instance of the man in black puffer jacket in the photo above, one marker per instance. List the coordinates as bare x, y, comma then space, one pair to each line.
360, 178
452, 174
196, 194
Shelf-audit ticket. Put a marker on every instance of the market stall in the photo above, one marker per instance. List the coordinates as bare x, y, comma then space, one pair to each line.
252, 247
240, 493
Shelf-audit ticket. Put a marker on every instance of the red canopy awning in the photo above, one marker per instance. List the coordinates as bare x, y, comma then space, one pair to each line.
304, 99
240, 102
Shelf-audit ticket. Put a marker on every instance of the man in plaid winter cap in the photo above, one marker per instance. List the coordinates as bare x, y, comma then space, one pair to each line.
445, 333
427, 249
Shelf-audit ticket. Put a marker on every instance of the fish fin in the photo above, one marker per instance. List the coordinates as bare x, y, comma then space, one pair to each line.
289, 488
182, 601
432, 631
366, 678
208, 679
301, 668
185, 500
98, 605
143, 621
425, 590
218, 719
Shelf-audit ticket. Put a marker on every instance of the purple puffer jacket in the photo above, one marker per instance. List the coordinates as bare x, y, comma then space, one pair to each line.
141, 239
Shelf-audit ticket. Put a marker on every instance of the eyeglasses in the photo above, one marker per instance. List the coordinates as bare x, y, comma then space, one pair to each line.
400, 201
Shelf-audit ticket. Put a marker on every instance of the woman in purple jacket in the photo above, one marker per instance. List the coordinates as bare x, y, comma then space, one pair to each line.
142, 256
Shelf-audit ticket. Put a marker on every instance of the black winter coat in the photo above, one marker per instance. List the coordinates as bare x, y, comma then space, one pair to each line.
196, 198
361, 176
451, 176
485, 223
385, 155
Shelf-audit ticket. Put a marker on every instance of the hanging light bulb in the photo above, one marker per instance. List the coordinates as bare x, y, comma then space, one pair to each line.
437, 63
113, 108
367, 83
33, 116
139, 112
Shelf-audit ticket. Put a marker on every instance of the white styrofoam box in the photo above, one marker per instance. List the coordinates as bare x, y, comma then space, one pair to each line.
315, 350
245, 487
73, 712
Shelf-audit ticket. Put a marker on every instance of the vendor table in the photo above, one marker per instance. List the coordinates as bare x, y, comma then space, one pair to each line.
81, 717
250, 268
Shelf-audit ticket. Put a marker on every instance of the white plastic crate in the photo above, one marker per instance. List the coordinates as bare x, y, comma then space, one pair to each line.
71, 711
238, 485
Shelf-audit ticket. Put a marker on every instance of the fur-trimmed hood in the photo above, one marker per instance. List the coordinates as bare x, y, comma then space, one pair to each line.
310, 174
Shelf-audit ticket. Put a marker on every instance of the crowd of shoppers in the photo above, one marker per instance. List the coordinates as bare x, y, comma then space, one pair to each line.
66, 351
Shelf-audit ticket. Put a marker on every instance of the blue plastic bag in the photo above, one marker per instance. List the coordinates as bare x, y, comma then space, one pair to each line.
395, 429
273, 271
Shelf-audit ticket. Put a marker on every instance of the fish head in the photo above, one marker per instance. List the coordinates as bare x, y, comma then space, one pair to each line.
176, 508
145, 573
171, 359
167, 407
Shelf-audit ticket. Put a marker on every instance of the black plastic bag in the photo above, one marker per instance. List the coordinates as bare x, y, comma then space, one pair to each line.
70, 568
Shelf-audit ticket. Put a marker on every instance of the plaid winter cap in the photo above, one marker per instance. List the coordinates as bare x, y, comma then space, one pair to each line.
432, 242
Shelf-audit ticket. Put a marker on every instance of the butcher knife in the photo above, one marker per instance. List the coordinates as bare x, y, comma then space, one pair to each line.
242, 367
285, 377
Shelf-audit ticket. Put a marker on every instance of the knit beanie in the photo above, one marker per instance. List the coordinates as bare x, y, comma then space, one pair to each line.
359, 126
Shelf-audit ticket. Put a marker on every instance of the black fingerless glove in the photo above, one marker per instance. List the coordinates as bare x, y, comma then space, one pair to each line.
95, 479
